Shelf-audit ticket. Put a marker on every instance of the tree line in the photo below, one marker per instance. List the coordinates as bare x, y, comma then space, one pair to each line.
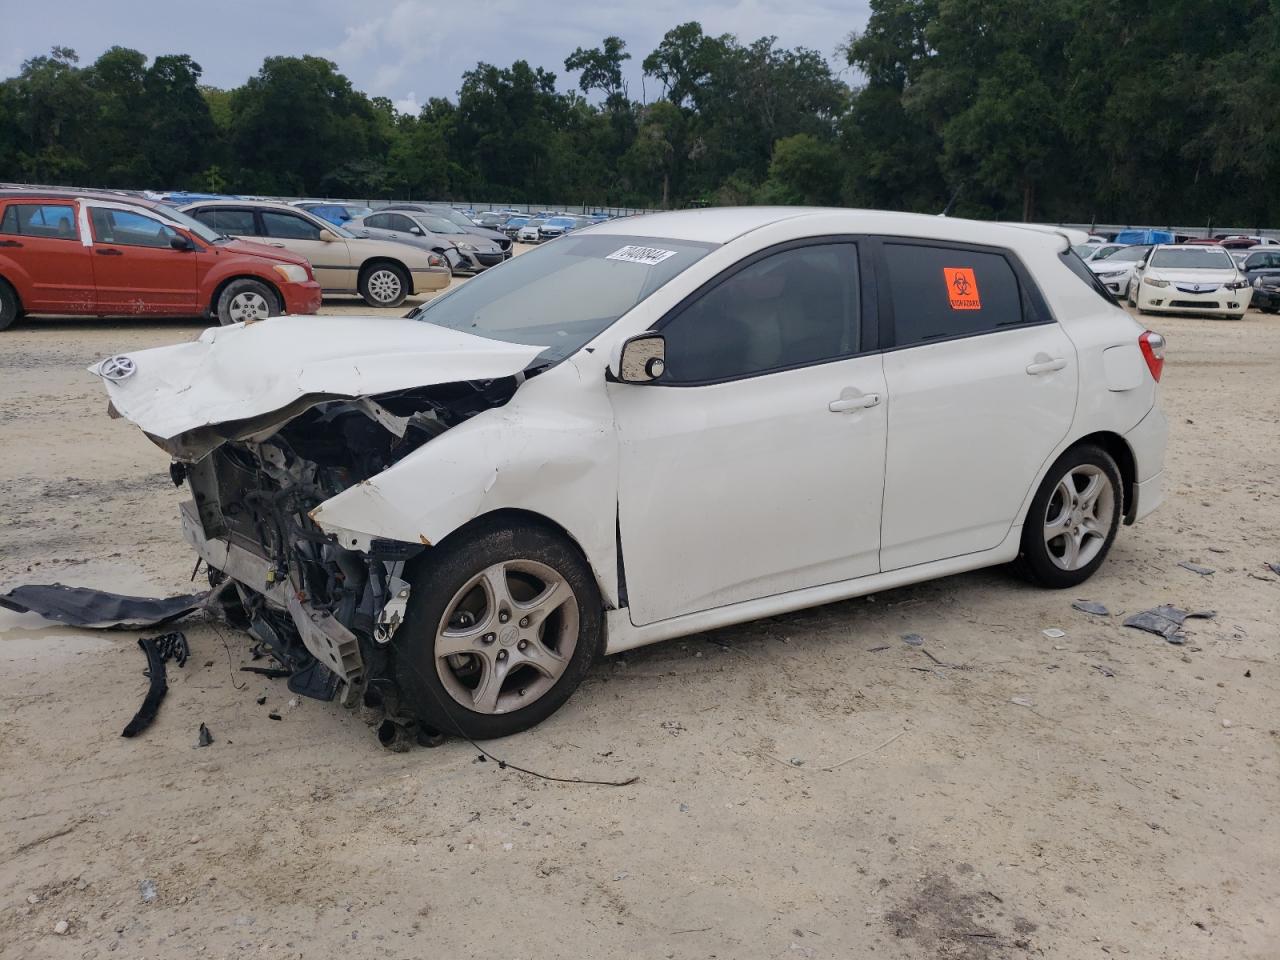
1150, 111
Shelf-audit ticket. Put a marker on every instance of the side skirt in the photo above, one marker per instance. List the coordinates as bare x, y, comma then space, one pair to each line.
622, 634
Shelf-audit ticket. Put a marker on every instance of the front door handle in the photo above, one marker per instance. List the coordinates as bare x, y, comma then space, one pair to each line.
852, 404
280, 245
10, 243
1046, 366
108, 252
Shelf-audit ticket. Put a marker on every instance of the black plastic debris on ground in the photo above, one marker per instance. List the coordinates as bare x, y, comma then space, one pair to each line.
98, 609
1166, 621
1195, 567
1091, 606
1274, 567
158, 650
204, 738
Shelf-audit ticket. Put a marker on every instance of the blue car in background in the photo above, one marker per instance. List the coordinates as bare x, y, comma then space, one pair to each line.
1131, 237
335, 213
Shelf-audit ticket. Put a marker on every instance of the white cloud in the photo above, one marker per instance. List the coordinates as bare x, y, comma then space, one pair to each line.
408, 104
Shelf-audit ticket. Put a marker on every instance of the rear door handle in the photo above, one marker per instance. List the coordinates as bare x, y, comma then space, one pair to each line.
1046, 366
108, 252
10, 243
280, 245
851, 404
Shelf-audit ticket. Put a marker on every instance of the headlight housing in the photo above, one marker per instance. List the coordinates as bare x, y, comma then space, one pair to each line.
466, 246
1237, 284
1152, 282
292, 272
1112, 274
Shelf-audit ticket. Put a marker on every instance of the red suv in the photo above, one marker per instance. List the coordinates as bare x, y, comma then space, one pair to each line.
93, 255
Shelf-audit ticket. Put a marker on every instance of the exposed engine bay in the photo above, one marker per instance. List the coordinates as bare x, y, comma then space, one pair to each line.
326, 612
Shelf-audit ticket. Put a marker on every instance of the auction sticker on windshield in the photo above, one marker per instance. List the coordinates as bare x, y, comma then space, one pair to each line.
962, 288
649, 256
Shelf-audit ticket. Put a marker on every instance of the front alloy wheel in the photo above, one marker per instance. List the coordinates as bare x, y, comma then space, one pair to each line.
504, 621
507, 636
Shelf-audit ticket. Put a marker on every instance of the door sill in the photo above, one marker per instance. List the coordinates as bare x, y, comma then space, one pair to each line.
624, 635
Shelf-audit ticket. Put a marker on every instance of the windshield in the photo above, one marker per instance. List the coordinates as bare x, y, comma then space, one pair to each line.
1129, 254
563, 294
1192, 258
201, 230
439, 225
454, 216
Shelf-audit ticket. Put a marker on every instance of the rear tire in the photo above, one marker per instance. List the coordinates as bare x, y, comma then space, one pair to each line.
504, 621
10, 309
1073, 519
246, 301
384, 285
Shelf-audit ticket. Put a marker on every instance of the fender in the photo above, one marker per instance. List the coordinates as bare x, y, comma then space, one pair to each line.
551, 450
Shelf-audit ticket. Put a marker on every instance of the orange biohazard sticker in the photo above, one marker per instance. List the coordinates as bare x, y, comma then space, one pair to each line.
962, 288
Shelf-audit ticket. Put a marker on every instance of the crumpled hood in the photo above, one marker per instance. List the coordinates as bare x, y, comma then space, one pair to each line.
239, 372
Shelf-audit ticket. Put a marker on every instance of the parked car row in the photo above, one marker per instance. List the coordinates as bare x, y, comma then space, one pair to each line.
71, 254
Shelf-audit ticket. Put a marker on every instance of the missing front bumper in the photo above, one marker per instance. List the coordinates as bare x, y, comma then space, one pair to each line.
324, 637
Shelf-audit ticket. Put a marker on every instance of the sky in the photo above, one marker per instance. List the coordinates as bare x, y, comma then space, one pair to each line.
406, 50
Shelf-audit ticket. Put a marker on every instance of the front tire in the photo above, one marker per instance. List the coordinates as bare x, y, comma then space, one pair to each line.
246, 301
384, 285
504, 621
1073, 519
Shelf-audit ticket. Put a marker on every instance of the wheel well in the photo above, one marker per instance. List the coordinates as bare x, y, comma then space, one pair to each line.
387, 262
1116, 445
275, 291
530, 518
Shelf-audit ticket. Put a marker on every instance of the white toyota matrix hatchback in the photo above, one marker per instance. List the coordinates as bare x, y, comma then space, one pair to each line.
652, 427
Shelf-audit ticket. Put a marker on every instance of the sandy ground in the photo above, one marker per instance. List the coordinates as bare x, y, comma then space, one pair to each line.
1125, 805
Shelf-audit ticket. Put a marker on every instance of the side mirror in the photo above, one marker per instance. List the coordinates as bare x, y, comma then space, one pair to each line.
328, 236
416, 231
179, 242
641, 359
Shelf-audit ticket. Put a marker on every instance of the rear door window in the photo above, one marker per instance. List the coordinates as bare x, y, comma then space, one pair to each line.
288, 226
235, 223
939, 293
54, 221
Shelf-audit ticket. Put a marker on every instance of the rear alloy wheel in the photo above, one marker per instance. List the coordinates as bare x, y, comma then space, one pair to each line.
384, 285
246, 301
1073, 519
503, 624
9, 310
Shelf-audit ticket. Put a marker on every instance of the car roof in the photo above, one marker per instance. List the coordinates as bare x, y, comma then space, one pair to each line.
267, 204
722, 224
62, 193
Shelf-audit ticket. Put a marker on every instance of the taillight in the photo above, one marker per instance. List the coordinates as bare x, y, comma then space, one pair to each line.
1152, 346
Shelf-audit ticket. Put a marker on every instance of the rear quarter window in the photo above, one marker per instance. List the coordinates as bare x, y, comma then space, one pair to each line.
939, 293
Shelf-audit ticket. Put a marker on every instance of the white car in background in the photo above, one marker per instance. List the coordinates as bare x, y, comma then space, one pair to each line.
1190, 279
1096, 251
531, 232
1116, 270
657, 427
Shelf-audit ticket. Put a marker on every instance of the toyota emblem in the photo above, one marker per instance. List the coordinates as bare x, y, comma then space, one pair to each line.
116, 369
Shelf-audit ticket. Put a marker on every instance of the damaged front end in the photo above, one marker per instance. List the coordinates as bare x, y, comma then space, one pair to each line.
324, 608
